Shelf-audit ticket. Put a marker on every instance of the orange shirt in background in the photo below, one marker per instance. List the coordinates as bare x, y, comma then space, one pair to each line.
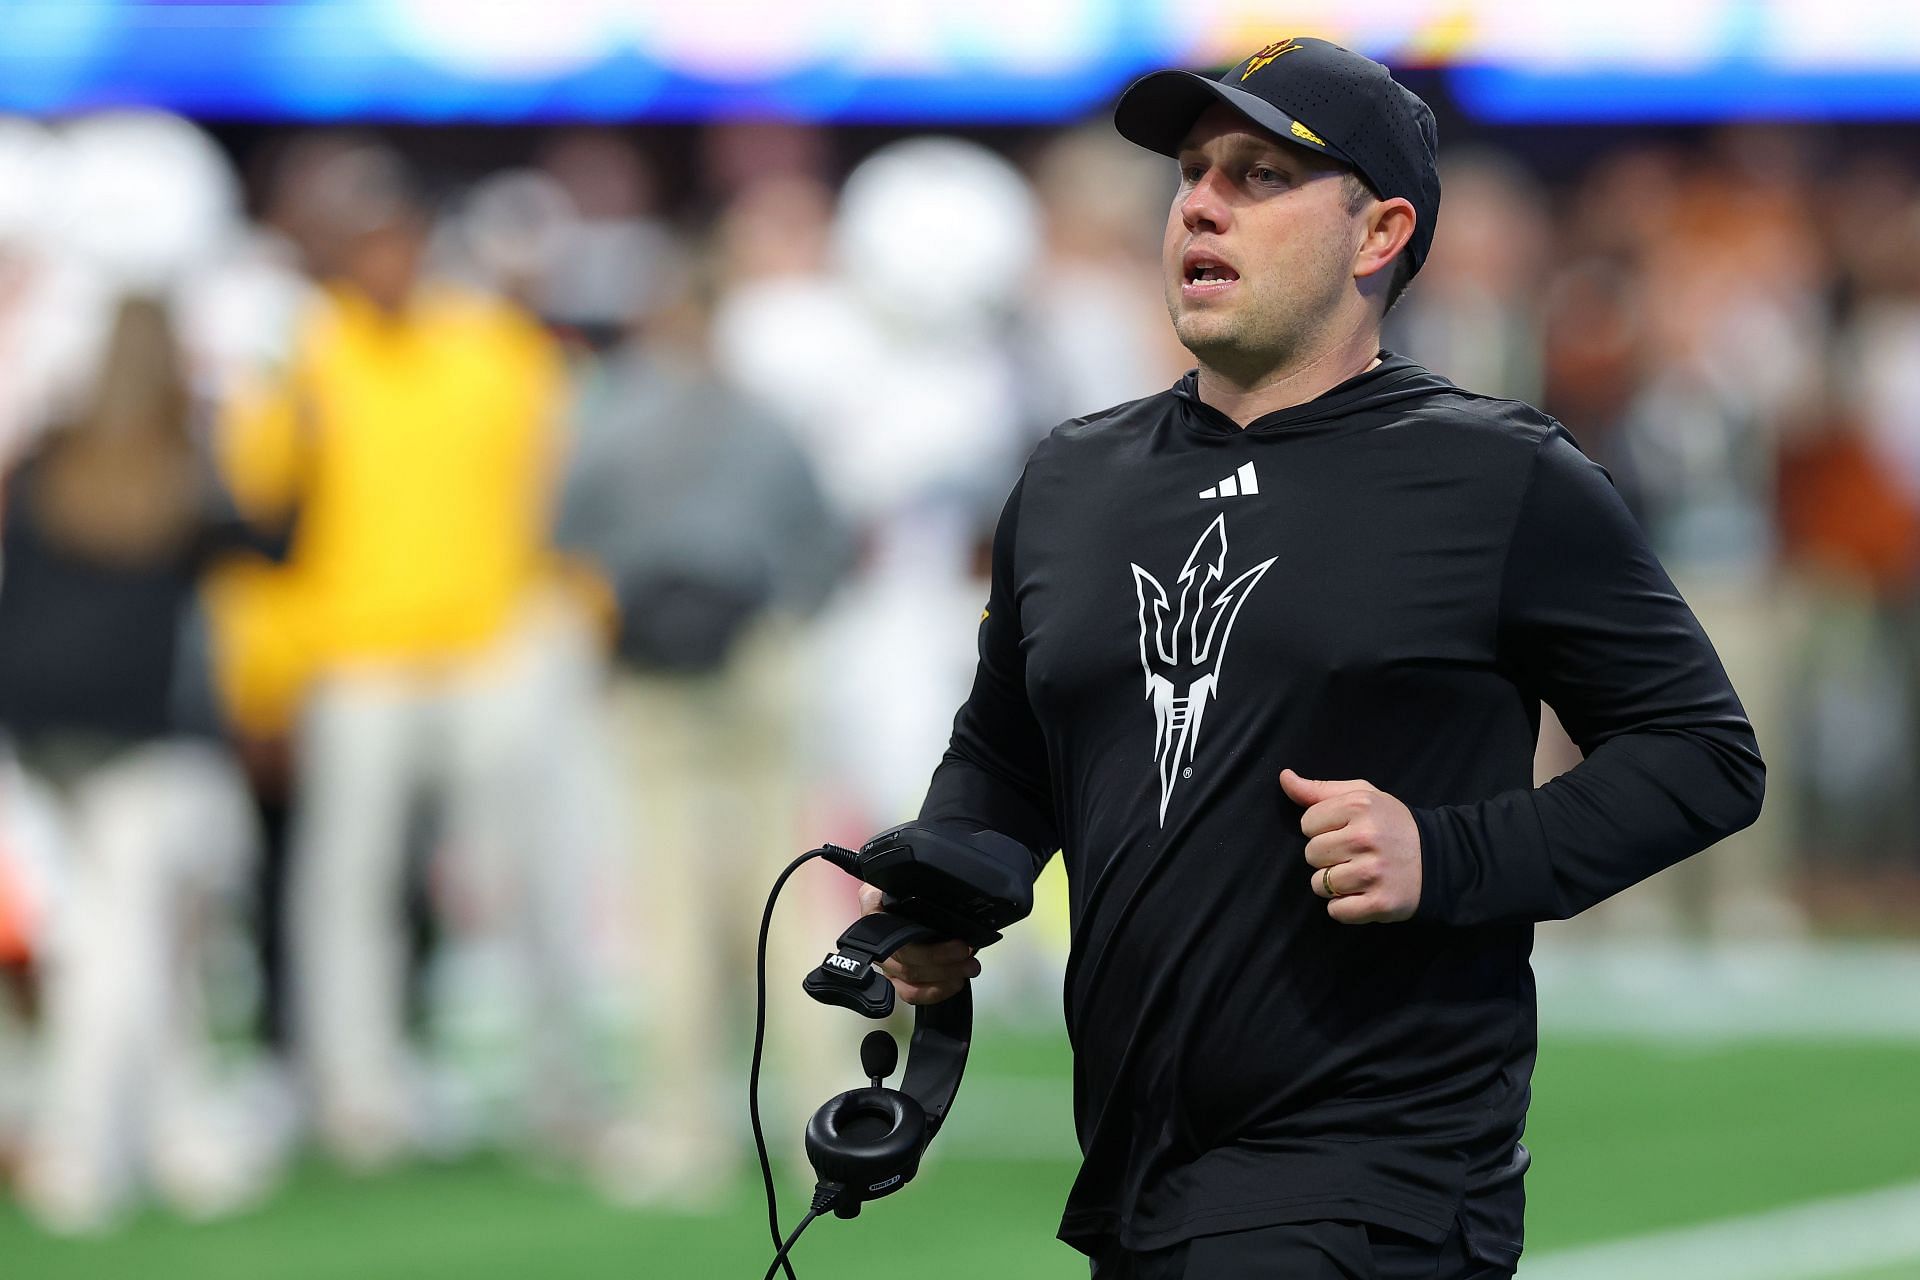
1842, 510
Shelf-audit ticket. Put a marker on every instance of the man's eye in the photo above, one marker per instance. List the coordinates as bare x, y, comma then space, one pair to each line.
1190, 173
1266, 174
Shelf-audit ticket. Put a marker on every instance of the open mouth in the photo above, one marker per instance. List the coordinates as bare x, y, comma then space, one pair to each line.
1203, 270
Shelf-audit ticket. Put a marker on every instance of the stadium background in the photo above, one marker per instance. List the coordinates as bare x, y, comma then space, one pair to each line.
1691, 230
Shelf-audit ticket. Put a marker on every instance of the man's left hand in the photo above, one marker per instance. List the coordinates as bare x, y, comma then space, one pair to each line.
1365, 841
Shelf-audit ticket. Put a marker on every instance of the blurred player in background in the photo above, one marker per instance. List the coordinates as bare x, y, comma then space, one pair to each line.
124, 840
704, 515
110, 520
421, 632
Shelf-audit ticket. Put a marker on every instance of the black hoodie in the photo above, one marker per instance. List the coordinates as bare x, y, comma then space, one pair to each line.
1383, 583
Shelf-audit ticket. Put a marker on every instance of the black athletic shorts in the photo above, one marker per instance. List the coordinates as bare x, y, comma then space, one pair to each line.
1301, 1251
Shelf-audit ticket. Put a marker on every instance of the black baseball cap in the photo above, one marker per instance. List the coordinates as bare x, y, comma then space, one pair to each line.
1315, 95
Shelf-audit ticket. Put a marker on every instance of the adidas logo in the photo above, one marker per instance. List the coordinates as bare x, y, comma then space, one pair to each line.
1242, 483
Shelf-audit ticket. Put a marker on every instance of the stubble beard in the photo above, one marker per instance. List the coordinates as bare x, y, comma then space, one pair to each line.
1243, 342
1259, 334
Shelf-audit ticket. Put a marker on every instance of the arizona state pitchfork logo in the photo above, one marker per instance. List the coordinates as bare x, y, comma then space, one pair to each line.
1268, 54
1181, 655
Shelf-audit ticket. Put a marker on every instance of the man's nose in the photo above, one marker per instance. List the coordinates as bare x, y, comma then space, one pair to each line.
1204, 209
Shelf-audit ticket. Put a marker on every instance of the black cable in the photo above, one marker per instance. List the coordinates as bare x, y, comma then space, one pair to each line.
780, 1258
753, 1076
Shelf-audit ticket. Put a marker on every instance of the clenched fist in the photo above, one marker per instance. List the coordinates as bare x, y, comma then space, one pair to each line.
1364, 848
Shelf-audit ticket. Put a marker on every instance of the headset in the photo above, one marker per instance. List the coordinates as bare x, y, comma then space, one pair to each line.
939, 882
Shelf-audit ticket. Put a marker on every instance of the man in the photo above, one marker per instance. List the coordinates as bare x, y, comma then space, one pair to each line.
715, 544
417, 646
1264, 656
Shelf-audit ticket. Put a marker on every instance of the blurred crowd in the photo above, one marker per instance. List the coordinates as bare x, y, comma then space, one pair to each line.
435, 603
1732, 327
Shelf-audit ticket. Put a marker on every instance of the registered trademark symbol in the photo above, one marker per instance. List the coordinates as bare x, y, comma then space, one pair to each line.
1187, 772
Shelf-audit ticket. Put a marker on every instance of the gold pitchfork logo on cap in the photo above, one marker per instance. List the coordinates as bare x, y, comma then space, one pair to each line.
1262, 57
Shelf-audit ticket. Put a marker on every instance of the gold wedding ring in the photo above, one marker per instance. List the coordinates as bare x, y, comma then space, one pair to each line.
1326, 882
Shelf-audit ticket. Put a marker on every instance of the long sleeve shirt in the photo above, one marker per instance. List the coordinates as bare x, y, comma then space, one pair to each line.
421, 451
1382, 583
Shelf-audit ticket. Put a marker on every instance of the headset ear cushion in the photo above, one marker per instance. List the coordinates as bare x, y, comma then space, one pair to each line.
865, 1137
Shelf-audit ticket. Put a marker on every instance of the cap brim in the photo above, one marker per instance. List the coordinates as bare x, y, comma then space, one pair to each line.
1158, 110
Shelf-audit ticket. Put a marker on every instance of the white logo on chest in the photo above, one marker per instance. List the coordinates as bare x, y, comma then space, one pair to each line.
1181, 647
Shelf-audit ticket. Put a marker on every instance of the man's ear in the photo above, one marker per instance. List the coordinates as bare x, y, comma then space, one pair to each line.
1389, 228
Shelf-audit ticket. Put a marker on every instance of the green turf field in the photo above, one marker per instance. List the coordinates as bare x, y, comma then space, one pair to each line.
1630, 1137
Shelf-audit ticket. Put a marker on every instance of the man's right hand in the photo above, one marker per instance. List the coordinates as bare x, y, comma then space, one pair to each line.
924, 972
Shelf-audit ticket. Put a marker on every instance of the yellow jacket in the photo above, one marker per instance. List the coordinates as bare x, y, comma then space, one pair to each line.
420, 452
